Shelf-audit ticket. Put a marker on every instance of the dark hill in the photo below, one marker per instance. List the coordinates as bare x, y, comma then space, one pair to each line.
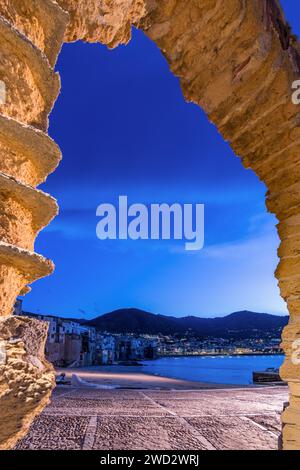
239, 324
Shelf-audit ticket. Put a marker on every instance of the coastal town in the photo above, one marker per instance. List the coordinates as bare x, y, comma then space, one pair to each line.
114, 405
71, 343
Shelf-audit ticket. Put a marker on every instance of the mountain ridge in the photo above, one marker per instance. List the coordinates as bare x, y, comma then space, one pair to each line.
237, 324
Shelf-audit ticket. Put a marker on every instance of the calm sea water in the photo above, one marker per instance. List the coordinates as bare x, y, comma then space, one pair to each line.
220, 369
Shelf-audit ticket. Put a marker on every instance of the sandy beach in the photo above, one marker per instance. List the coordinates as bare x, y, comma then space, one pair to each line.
133, 377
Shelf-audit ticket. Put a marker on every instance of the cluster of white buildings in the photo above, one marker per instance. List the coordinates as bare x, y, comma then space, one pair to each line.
70, 343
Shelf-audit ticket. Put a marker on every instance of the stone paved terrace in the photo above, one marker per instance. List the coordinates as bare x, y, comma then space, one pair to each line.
146, 419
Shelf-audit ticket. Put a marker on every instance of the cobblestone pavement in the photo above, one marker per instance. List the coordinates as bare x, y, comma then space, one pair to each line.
159, 419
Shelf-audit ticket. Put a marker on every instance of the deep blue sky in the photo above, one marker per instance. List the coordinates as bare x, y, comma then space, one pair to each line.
124, 128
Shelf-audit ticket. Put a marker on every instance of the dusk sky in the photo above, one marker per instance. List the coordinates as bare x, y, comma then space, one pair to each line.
125, 129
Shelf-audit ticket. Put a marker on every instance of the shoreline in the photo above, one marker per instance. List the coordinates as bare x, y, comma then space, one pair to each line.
130, 377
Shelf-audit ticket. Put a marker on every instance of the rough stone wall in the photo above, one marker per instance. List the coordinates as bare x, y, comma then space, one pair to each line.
26, 379
106, 21
31, 35
236, 59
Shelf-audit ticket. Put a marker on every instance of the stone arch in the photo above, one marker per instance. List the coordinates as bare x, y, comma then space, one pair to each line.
237, 62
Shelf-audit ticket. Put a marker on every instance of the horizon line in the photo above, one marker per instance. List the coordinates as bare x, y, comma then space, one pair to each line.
71, 317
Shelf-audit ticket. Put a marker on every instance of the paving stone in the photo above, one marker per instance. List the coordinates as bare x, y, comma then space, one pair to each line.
272, 422
105, 394
67, 405
144, 434
59, 432
234, 433
153, 420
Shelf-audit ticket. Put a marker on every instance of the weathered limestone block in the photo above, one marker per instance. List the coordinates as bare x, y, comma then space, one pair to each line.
289, 287
18, 268
294, 306
26, 153
291, 435
291, 416
42, 22
290, 370
284, 203
288, 267
294, 388
24, 211
26, 378
267, 165
290, 247
106, 21
287, 174
290, 227
31, 84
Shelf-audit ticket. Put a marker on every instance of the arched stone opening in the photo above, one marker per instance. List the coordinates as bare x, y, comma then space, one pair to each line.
237, 62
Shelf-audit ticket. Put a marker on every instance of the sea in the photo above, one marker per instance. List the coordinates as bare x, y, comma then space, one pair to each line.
235, 370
